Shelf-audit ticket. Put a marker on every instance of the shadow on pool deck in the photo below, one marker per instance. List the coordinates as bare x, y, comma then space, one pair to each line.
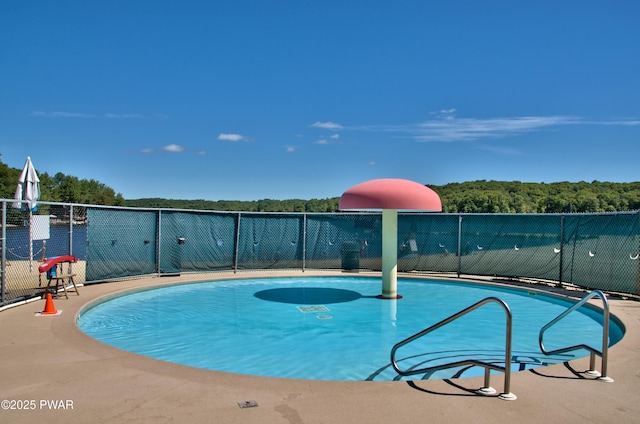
44, 359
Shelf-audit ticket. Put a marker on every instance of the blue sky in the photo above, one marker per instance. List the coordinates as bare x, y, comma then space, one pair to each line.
247, 100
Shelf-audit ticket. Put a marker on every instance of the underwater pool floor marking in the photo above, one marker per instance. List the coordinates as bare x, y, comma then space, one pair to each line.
313, 308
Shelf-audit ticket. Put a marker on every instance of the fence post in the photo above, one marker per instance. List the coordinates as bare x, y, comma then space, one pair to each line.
71, 229
4, 250
235, 255
159, 242
459, 244
561, 249
70, 235
304, 240
637, 287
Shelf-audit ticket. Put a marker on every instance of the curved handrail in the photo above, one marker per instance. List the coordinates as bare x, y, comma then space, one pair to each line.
487, 365
604, 353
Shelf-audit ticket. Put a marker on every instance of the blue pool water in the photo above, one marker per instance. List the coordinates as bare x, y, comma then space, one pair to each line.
334, 328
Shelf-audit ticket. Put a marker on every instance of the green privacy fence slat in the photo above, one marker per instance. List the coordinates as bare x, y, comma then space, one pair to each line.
270, 242
428, 243
120, 243
602, 251
329, 237
196, 241
511, 245
595, 251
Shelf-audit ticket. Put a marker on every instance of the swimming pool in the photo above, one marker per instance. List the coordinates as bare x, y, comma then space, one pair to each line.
334, 328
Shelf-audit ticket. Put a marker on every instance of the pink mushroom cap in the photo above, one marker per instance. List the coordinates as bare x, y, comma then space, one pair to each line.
390, 193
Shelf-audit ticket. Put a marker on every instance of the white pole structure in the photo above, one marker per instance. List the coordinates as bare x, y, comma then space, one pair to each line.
30, 241
389, 254
390, 195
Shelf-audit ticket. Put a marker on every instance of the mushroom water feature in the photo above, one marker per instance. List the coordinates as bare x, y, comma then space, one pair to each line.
390, 195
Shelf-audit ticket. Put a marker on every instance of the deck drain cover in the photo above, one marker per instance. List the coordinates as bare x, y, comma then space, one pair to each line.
247, 404
313, 308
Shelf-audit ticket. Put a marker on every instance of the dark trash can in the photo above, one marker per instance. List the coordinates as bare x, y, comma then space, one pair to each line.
350, 255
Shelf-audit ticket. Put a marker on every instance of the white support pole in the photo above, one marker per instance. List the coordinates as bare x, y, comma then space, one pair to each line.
30, 240
389, 253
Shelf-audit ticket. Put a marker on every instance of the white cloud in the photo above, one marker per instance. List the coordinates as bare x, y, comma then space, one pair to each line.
290, 149
171, 148
447, 114
58, 114
451, 129
445, 127
326, 125
174, 148
372, 163
122, 115
330, 140
473, 129
232, 137
623, 122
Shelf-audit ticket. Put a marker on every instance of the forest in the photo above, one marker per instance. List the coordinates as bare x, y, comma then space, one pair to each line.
61, 188
466, 197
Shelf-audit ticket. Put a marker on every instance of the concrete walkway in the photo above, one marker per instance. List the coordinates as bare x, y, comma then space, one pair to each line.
57, 374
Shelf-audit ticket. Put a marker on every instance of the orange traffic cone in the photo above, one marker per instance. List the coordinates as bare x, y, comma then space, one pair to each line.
49, 308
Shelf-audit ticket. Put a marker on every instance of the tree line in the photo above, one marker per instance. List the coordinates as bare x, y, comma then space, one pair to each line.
61, 188
468, 197
264, 205
518, 197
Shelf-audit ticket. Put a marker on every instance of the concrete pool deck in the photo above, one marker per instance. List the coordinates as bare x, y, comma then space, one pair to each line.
57, 374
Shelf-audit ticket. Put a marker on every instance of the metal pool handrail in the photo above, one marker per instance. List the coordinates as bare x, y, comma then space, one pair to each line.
487, 389
604, 354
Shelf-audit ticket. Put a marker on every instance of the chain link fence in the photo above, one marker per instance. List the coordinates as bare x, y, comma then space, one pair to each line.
594, 251
29, 238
